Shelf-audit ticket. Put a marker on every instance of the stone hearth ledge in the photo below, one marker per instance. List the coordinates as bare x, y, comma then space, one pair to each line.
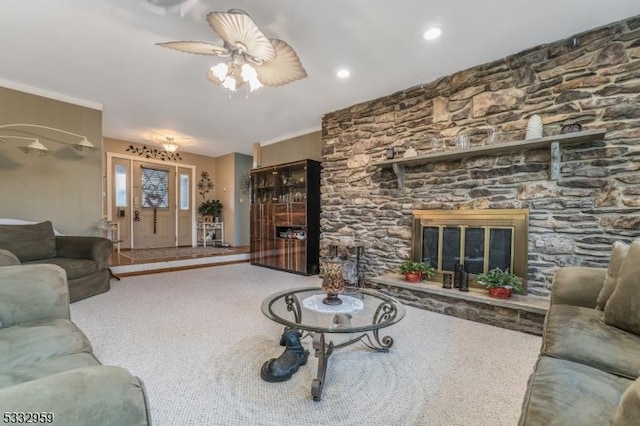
521, 313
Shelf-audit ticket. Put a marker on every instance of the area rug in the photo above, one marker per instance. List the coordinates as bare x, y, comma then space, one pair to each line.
197, 338
177, 252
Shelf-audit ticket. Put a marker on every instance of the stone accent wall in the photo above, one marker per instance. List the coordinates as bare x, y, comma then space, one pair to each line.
592, 78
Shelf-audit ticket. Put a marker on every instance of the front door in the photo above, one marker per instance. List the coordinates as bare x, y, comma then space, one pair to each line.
154, 205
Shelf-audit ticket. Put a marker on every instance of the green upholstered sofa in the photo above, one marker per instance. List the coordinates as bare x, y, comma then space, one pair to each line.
46, 362
84, 259
588, 368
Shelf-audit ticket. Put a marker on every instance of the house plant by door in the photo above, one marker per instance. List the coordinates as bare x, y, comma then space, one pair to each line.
500, 283
211, 208
414, 272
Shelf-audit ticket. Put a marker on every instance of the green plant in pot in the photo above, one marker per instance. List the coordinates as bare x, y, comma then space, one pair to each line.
211, 208
414, 272
500, 283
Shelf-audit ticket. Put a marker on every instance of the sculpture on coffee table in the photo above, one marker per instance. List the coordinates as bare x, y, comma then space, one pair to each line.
282, 368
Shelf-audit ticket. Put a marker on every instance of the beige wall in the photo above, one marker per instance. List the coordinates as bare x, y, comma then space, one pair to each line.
294, 149
242, 202
64, 187
229, 169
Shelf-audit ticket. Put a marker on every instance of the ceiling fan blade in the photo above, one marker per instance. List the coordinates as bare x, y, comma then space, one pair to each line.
285, 68
196, 47
236, 27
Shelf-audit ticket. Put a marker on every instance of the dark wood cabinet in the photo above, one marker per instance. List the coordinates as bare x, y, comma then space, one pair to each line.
285, 217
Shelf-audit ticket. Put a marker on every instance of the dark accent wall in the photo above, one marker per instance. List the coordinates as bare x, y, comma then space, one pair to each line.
592, 78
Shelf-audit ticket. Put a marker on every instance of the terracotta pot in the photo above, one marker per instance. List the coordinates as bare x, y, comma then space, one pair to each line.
413, 277
500, 292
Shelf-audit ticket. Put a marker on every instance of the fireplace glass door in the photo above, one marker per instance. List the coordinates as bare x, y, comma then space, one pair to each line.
482, 248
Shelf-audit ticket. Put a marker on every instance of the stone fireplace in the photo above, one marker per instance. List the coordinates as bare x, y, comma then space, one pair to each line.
481, 240
576, 209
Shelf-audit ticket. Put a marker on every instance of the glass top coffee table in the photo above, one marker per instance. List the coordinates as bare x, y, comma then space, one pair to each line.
360, 317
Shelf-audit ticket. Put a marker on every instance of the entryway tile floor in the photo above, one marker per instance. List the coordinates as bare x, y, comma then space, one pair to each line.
141, 261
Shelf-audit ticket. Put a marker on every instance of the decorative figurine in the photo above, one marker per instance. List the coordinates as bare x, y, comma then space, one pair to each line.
282, 368
391, 153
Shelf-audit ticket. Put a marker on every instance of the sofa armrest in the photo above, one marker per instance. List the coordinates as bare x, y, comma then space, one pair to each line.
8, 259
94, 248
577, 286
98, 395
32, 293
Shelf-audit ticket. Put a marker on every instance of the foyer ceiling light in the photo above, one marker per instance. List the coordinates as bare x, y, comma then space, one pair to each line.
36, 147
432, 33
170, 145
254, 58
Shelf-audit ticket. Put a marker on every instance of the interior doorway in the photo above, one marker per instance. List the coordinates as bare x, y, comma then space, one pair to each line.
152, 202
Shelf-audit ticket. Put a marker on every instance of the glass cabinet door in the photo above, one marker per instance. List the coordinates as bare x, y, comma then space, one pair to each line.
265, 184
294, 184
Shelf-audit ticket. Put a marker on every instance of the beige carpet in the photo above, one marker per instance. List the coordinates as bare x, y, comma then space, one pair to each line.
198, 338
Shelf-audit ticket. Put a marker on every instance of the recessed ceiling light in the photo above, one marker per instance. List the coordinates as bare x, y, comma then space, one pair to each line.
343, 73
432, 33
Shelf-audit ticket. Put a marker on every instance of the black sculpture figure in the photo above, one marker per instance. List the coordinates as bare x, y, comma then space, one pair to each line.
282, 368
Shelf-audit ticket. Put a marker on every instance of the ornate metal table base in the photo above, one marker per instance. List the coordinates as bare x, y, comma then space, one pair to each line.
323, 351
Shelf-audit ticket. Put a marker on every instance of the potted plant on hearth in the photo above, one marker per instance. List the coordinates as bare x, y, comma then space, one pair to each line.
211, 208
414, 272
500, 283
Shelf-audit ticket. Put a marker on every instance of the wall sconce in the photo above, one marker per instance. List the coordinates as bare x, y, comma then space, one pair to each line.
39, 149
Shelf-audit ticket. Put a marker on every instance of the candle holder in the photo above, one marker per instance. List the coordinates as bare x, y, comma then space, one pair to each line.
332, 281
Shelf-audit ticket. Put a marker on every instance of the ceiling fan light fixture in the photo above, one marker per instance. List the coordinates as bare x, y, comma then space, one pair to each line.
220, 71
250, 75
229, 83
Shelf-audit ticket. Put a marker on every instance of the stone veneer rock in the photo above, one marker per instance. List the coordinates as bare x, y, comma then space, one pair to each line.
592, 78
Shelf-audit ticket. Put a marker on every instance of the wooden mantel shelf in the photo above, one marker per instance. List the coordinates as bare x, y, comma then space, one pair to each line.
554, 142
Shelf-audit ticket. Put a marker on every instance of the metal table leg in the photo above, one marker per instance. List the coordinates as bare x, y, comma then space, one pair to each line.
323, 352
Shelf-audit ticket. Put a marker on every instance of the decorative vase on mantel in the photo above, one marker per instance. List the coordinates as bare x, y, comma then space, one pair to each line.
332, 281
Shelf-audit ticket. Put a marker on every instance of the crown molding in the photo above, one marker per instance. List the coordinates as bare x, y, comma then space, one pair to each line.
292, 135
49, 94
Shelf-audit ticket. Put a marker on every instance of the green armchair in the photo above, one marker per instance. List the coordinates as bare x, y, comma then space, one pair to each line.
84, 259
46, 363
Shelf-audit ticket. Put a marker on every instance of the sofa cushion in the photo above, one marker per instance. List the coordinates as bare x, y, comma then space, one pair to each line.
29, 242
46, 367
623, 308
628, 411
566, 393
8, 259
618, 253
74, 268
36, 341
580, 334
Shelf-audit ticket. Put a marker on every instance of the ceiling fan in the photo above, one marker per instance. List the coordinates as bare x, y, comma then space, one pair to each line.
254, 58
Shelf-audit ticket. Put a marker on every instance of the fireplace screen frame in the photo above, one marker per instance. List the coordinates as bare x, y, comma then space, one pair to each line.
516, 219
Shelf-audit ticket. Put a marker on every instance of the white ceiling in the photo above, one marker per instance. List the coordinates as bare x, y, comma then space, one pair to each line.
103, 51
